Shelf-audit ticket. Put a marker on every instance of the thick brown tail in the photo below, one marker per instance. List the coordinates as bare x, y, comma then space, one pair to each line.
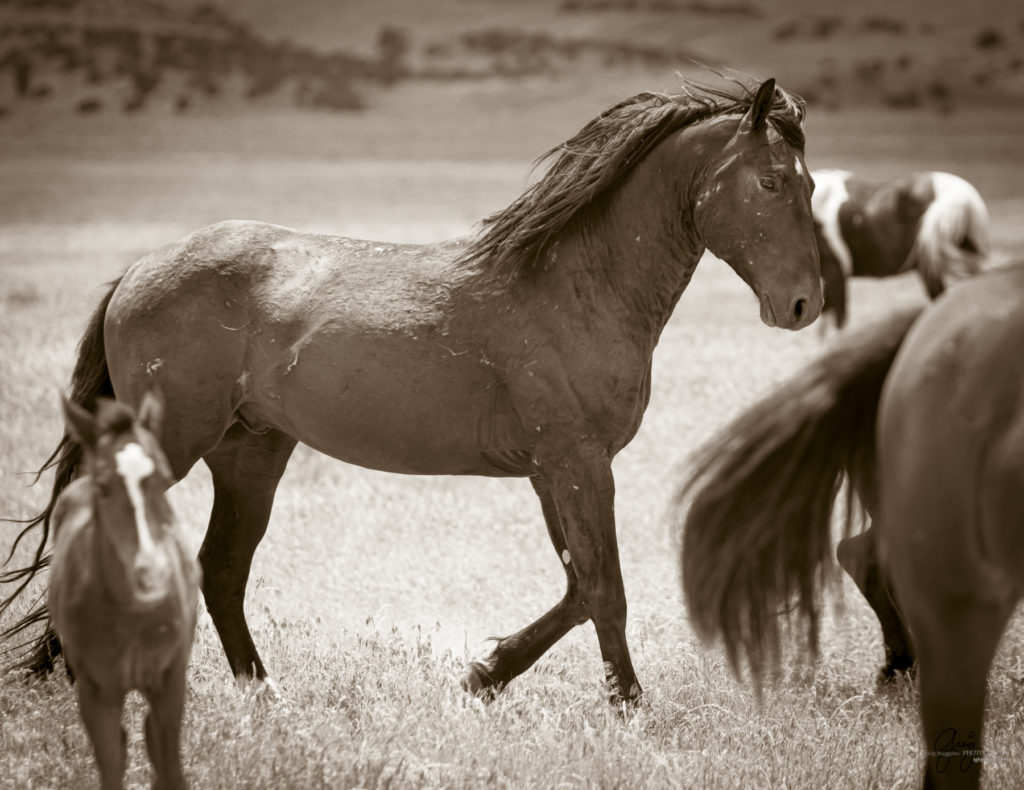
90, 379
756, 511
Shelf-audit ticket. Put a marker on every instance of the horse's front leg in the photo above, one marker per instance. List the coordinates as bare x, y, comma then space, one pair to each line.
515, 654
583, 491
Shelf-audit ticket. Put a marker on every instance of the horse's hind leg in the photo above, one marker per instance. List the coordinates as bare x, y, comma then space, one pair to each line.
515, 654
246, 468
858, 555
163, 727
956, 638
101, 714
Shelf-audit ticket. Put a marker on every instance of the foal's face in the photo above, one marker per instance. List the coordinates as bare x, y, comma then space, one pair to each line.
131, 475
129, 472
754, 211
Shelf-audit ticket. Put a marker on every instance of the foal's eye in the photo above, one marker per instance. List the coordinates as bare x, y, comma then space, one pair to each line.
768, 183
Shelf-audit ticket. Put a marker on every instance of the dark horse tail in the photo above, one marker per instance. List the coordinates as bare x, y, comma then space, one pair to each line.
758, 505
90, 379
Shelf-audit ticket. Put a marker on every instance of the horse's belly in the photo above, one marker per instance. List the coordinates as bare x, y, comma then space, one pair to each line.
396, 409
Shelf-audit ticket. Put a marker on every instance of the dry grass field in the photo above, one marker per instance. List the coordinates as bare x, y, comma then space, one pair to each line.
371, 591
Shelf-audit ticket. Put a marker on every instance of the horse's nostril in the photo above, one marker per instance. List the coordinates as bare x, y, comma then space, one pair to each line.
799, 306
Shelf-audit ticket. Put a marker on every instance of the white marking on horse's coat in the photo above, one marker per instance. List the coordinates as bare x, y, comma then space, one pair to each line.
255, 688
134, 466
799, 167
829, 194
566, 559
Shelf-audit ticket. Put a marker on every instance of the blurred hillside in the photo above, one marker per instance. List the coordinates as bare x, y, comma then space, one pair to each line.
128, 56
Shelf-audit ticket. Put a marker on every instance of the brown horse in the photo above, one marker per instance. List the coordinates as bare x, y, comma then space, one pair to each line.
526, 352
123, 587
932, 222
925, 412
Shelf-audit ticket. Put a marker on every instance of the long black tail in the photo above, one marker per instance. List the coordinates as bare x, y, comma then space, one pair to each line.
757, 526
90, 379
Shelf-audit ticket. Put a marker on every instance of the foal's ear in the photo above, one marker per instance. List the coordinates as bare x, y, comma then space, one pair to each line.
81, 425
151, 411
757, 116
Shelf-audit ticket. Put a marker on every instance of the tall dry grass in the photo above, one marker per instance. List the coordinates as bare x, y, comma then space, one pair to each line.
371, 591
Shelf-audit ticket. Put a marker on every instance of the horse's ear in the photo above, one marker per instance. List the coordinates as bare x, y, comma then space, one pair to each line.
151, 410
81, 425
757, 116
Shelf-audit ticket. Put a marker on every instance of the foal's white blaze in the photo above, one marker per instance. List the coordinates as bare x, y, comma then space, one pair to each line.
134, 466
829, 194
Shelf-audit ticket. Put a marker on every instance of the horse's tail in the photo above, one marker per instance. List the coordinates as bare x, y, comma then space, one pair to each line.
953, 234
756, 535
89, 380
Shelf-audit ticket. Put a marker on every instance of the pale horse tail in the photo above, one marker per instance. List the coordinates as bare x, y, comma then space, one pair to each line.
953, 235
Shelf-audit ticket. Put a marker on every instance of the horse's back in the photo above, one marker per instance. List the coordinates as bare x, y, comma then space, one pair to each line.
374, 353
951, 437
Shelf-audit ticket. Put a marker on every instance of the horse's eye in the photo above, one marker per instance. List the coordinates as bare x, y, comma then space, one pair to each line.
768, 183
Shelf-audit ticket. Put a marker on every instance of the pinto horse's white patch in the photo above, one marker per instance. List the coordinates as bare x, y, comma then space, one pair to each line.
829, 194
799, 167
134, 466
565, 556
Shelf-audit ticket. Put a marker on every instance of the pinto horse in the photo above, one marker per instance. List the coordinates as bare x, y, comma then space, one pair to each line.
933, 222
924, 412
525, 352
123, 588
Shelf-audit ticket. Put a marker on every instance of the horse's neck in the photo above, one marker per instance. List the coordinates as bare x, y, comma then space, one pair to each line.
641, 248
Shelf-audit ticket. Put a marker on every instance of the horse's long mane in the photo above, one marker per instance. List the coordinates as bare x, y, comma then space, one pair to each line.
599, 156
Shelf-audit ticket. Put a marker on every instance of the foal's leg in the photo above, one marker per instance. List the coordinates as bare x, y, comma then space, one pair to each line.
246, 468
517, 653
858, 555
163, 727
101, 714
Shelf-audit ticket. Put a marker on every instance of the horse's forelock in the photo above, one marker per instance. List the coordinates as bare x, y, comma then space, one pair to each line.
113, 418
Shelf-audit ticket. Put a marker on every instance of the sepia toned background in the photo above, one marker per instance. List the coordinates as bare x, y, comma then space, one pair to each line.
125, 124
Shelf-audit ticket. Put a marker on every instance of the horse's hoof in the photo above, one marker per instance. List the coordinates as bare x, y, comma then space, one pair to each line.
258, 689
890, 675
626, 703
476, 680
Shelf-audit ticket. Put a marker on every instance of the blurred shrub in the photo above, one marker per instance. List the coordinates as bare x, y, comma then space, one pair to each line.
883, 24
89, 106
989, 39
903, 98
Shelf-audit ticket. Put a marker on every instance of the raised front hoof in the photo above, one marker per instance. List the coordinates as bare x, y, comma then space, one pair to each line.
476, 680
